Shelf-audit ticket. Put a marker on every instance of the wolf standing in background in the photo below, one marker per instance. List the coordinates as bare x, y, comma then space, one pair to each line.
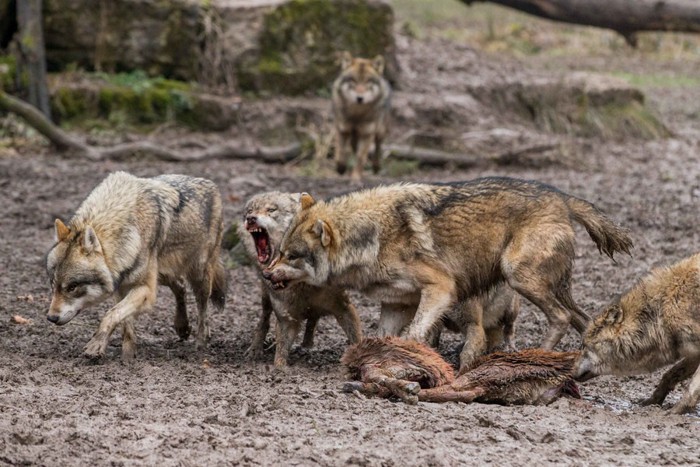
447, 242
267, 216
128, 235
654, 324
361, 100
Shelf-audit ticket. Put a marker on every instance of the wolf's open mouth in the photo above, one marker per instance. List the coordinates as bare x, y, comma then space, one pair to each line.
262, 244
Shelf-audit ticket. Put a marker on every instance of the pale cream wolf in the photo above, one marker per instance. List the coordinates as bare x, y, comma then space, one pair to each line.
654, 324
266, 218
361, 105
445, 243
494, 311
129, 235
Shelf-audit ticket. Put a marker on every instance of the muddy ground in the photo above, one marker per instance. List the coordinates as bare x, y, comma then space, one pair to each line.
175, 406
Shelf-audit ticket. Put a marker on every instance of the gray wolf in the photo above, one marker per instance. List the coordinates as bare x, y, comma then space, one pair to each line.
266, 218
361, 105
128, 235
439, 244
412, 371
654, 324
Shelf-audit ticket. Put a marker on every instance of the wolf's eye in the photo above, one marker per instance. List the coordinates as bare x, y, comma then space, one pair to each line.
272, 209
71, 288
291, 256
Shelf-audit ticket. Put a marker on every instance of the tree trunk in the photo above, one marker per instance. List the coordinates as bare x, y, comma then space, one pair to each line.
32, 54
623, 16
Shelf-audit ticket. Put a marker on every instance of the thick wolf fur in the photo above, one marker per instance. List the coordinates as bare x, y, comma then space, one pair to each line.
656, 323
495, 311
270, 214
361, 105
443, 243
129, 235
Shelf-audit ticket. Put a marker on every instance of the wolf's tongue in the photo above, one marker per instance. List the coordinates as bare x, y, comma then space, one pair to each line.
261, 243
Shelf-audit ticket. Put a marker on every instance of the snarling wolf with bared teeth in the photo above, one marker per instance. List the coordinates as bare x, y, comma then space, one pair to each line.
266, 218
413, 372
129, 235
444, 243
656, 323
361, 101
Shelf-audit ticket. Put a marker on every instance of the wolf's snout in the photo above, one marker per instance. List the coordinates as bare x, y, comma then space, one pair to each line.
267, 274
360, 99
53, 318
251, 220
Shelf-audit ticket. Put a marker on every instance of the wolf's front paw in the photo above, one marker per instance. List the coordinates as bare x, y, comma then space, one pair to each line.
95, 349
653, 400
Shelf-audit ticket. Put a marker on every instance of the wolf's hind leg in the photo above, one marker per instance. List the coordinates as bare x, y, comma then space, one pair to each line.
182, 325
201, 286
448, 395
538, 266
692, 395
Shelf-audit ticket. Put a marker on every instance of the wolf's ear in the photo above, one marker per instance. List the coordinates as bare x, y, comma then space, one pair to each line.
614, 315
345, 60
91, 244
62, 232
378, 64
307, 201
323, 230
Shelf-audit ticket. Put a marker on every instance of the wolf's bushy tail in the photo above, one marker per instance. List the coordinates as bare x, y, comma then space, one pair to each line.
608, 236
219, 286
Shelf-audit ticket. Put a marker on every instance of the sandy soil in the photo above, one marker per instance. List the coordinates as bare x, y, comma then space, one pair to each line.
175, 406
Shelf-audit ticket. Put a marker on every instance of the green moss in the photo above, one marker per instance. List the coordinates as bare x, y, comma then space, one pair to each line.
300, 41
8, 70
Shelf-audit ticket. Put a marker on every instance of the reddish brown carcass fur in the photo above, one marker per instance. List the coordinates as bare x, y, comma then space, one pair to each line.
413, 371
393, 366
531, 376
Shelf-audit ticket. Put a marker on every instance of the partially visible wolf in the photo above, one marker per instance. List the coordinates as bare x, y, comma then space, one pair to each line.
443, 243
129, 235
361, 104
654, 324
494, 311
266, 218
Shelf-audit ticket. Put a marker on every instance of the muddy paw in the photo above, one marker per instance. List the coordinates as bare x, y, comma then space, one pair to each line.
650, 401
183, 331
412, 388
128, 353
95, 349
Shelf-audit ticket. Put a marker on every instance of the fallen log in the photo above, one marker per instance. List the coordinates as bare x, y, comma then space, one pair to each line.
625, 17
72, 147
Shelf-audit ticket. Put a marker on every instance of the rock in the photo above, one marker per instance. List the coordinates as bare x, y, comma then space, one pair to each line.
264, 46
299, 43
582, 104
159, 37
